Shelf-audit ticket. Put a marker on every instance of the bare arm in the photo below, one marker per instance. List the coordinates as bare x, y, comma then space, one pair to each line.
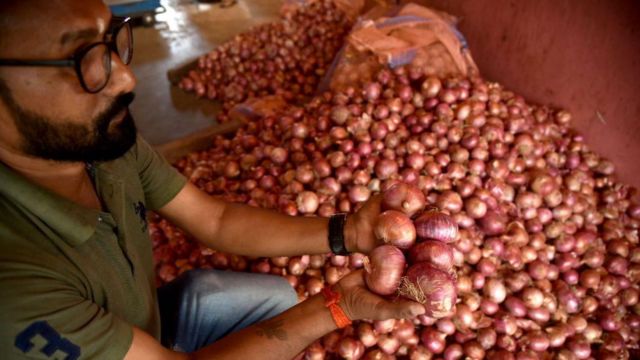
287, 334
281, 337
250, 231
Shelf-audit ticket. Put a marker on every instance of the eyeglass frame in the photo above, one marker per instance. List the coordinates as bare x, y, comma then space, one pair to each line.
75, 60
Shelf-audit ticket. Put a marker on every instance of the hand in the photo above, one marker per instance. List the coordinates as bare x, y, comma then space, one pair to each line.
359, 303
358, 231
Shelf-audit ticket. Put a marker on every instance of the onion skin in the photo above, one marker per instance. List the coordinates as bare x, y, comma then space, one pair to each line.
307, 202
384, 271
434, 252
403, 197
395, 228
350, 348
433, 340
433, 288
366, 334
493, 223
437, 226
315, 352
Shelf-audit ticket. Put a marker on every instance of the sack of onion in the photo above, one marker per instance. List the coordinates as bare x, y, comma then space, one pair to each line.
399, 36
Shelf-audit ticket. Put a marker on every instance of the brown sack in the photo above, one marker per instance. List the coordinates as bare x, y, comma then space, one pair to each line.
411, 35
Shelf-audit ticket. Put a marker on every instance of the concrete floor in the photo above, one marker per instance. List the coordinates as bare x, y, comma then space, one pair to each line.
185, 31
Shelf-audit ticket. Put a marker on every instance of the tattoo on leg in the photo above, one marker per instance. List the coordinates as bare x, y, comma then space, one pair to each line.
272, 329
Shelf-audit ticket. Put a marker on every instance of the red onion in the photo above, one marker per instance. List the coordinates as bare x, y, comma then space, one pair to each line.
433, 340
473, 350
279, 155
403, 197
359, 193
446, 326
356, 260
495, 290
500, 355
307, 202
489, 307
493, 223
384, 326
350, 348
385, 168
338, 260
580, 348
433, 288
334, 274
419, 352
434, 252
317, 261
372, 91
437, 226
385, 269
404, 330
388, 344
453, 352
516, 306
540, 314
395, 228
315, 352
314, 286
366, 334
537, 341
505, 324
298, 265
475, 207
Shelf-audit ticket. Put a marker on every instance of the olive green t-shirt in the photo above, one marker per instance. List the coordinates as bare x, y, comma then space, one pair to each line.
74, 281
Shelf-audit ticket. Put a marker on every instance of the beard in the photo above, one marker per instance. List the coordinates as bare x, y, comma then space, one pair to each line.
68, 141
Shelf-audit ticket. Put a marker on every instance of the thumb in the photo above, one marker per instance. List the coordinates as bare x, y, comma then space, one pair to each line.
400, 310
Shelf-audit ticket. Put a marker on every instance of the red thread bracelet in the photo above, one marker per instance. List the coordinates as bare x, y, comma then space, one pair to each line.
331, 299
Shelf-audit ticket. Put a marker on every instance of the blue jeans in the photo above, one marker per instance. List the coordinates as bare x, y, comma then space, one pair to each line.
202, 306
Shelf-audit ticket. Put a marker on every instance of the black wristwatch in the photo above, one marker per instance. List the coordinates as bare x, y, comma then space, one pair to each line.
336, 234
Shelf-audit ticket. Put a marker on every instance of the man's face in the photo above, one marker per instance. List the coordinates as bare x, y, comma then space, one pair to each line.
44, 111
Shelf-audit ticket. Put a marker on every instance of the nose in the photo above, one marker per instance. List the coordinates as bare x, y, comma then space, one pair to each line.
122, 79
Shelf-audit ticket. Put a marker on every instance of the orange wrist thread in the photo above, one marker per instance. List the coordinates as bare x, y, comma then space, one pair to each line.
331, 299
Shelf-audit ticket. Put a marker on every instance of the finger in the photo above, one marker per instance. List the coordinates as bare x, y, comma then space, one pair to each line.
352, 279
374, 205
399, 310
375, 202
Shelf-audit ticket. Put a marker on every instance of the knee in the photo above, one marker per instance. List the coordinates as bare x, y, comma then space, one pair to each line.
274, 291
283, 296
198, 281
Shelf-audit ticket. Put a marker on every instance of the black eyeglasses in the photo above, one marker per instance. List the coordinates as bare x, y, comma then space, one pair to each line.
93, 62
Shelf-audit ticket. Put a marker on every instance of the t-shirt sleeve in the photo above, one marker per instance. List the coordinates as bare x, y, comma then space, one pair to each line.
43, 317
160, 181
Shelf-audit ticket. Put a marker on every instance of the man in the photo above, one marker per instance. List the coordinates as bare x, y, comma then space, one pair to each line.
76, 268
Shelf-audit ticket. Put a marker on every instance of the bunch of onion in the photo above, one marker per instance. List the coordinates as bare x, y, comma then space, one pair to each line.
546, 235
286, 58
430, 278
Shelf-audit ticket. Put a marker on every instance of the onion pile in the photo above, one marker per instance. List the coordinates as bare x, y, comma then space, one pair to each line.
546, 254
287, 58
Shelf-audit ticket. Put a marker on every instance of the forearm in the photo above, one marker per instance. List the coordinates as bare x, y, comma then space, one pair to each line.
281, 337
252, 231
